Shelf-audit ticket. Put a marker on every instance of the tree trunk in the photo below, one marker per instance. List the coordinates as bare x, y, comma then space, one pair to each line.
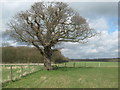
47, 64
47, 58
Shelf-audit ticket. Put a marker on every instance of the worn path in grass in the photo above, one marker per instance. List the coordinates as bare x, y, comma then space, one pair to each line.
70, 78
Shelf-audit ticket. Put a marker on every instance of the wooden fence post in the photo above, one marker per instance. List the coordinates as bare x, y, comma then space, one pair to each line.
85, 64
74, 64
80, 64
34, 67
99, 64
21, 70
11, 72
65, 64
29, 68
38, 67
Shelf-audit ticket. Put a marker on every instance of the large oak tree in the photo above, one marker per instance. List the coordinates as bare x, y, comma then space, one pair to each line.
47, 23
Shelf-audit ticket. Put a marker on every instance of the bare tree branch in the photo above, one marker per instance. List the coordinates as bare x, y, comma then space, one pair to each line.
46, 24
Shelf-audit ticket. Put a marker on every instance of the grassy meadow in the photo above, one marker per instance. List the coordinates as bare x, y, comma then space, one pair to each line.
80, 75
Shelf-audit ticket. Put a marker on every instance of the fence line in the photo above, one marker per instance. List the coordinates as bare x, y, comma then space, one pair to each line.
24, 69
13, 72
86, 64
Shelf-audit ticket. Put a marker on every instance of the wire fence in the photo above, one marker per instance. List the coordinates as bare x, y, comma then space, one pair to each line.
12, 72
88, 64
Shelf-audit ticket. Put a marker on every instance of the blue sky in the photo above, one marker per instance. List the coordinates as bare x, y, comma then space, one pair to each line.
112, 23
102, 16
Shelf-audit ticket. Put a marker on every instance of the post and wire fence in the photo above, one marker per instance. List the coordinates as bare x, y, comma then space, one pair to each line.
12, 72
88, 64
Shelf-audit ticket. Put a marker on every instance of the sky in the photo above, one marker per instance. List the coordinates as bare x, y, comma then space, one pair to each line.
102, 16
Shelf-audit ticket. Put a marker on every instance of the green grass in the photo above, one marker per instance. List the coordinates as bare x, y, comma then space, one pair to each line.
69, 77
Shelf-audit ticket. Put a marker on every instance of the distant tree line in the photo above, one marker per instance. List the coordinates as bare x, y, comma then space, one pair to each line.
24, 54
99, 60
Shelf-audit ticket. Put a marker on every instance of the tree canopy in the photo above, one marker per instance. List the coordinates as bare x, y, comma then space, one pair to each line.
47, 23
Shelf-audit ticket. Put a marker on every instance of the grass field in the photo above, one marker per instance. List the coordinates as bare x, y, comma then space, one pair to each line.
83, 75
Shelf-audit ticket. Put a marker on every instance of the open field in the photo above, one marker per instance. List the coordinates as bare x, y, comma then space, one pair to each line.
82, 75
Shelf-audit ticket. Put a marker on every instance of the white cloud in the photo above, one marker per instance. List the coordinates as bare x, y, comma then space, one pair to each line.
91, 51
99, 48
99, 24
103, 46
